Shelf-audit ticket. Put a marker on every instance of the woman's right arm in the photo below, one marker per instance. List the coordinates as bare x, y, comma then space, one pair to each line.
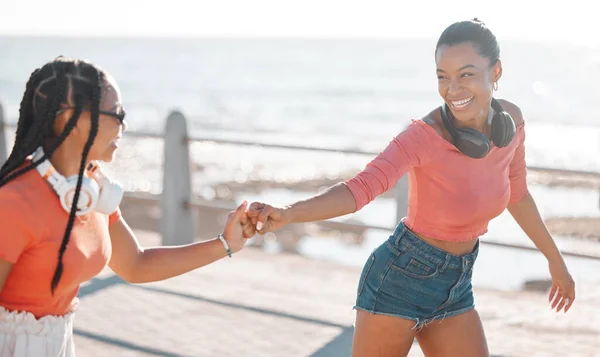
410, 148
335, 201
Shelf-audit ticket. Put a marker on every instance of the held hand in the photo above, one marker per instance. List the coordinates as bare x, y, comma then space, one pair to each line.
235, 232
563, 287
267, 218
248, 228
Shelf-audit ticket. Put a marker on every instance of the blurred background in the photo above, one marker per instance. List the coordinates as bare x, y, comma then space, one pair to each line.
342, 75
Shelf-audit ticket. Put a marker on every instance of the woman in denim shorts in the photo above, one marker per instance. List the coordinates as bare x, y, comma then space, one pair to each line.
465, 162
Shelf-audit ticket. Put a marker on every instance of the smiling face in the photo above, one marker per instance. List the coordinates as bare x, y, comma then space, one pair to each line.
465, 80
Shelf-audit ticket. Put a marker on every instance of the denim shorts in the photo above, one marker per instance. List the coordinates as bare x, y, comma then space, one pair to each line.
409, 278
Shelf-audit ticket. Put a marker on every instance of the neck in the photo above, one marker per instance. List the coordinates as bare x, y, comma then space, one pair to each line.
66, 159
479, 123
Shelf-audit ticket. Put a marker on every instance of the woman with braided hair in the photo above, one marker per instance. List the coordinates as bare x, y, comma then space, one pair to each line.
70, 117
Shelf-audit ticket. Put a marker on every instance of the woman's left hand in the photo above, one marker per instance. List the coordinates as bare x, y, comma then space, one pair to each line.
238, 228
562, 293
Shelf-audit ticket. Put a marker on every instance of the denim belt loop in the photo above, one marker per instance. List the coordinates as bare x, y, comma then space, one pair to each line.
467, 261
399, 234
446, 262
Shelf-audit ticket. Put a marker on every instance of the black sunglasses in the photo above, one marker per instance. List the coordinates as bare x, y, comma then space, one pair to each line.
120, 116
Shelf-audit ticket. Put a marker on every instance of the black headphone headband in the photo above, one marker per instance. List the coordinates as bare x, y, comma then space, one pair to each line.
474, 143
447, 123
496, 106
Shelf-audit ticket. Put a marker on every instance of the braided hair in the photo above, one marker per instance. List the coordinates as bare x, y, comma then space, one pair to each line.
64, 81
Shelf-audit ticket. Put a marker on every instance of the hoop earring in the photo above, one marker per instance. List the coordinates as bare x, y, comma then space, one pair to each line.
495, 86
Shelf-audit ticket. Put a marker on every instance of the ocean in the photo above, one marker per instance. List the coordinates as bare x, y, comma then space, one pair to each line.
346, 94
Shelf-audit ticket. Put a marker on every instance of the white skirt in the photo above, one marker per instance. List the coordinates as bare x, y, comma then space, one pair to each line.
22, 335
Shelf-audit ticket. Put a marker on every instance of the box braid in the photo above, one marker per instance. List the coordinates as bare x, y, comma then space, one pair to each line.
64, 81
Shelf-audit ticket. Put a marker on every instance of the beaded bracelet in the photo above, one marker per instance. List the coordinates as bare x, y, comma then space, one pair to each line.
220, 236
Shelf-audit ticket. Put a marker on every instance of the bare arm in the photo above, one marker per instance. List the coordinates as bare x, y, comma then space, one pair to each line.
135, 264
525, 212
335, 201
141, 265
522, 205
411, 148
527, 216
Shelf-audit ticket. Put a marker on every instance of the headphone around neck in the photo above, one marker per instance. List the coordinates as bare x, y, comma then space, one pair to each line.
99, 193
474, 143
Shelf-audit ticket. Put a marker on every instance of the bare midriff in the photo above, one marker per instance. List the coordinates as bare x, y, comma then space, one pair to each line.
456, 248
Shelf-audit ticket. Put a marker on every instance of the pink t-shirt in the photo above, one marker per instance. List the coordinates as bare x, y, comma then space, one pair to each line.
451, 196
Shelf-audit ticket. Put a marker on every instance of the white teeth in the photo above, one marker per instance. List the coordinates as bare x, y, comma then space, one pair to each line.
461, 103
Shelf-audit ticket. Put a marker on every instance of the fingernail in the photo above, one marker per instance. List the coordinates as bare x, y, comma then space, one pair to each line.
259, 225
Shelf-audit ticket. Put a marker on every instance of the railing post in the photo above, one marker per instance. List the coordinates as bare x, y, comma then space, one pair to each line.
3, 146
176, 221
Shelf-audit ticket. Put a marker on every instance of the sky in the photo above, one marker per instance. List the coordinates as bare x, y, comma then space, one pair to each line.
572, 21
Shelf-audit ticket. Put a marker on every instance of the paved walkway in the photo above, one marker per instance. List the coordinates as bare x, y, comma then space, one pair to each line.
261, 305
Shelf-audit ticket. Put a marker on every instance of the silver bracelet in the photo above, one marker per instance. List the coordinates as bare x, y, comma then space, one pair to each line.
220, 236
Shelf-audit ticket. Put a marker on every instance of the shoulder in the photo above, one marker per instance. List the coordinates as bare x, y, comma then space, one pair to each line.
23, 194
13, 199
434, 120
512, 109
17, 216
21, 227
24, 202
420, 138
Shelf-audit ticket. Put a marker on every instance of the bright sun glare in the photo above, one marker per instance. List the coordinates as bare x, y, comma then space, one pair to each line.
531, 19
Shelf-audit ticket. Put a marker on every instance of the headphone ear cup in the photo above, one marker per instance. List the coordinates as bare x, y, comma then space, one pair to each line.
468, 141
503, 129
473, 143
111, 194
88, 195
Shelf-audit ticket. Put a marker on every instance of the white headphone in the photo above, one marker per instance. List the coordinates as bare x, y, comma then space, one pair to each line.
99, 194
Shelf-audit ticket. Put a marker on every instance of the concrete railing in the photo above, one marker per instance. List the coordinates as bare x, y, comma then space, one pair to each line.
176, 222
